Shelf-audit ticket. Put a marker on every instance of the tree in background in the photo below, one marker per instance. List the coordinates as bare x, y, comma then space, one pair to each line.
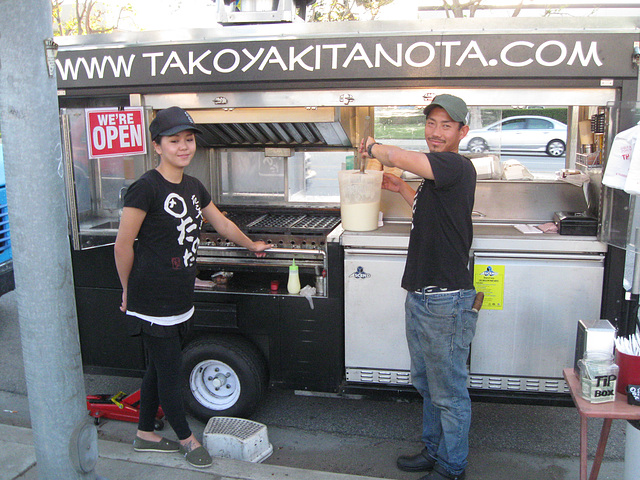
88, 17
345, 10
468, 8
456, 8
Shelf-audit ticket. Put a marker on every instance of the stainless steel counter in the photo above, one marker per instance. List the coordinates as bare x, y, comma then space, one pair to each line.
486, 237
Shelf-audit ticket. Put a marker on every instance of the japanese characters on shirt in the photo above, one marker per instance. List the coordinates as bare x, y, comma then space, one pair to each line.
188, 228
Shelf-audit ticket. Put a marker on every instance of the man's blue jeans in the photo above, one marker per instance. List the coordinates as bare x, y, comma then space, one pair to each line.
440, 328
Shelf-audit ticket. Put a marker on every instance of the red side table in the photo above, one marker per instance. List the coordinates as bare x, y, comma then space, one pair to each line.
619, 409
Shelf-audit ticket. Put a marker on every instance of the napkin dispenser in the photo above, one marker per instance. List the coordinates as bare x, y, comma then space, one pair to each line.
594, 336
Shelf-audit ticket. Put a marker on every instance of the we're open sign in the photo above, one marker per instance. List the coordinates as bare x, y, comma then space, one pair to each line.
115, 133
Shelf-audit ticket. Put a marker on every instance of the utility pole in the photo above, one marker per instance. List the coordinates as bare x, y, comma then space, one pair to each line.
65, 441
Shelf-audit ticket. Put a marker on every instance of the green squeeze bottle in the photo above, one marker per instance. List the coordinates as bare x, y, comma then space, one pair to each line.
293, 285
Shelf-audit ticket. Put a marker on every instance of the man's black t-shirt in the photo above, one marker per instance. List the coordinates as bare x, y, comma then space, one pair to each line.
442, 230
164, 268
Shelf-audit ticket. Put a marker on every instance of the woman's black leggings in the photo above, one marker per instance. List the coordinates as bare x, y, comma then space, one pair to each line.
161, 385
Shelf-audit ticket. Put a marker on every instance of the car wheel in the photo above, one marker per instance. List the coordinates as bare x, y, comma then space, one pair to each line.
477, 145
555, 148
224, 376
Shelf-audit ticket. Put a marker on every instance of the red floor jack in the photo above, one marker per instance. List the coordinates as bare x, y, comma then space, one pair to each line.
119, 407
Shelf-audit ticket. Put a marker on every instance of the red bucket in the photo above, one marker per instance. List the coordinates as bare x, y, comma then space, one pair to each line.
629, 373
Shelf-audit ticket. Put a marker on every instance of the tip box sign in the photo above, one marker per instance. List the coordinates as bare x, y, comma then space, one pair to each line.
116, 133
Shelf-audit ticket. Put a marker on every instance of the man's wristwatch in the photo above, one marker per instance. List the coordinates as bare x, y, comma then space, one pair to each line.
370, 147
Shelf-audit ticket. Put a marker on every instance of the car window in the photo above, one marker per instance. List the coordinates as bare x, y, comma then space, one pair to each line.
539, 124
513, 124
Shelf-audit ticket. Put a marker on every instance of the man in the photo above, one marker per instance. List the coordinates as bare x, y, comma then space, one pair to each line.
440, 322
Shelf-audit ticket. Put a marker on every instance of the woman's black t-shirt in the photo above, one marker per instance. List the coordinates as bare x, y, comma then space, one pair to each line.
162, 279
442, 229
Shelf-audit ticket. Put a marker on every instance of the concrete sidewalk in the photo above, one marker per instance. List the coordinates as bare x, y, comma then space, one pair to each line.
118, 461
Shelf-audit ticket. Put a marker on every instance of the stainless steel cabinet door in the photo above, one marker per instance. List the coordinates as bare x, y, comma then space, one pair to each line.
534, 333
374, 310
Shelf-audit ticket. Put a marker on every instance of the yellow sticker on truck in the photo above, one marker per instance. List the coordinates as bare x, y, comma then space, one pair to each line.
489, 279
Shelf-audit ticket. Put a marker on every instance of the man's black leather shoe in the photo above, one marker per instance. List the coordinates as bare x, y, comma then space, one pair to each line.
439, 473
421, 462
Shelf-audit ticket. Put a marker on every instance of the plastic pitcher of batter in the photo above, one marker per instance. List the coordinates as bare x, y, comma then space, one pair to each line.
359, 199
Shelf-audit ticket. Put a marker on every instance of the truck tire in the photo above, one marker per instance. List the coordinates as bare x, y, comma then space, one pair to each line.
224, 376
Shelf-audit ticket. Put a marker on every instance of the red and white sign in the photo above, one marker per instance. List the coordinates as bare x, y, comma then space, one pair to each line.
116, 133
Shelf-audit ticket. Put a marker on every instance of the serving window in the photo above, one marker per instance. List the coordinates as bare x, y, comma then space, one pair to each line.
534, 136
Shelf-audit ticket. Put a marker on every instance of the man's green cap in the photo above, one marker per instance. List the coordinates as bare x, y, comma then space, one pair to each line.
454, 106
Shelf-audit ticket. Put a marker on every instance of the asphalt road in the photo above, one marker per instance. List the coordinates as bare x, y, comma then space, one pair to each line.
360, 436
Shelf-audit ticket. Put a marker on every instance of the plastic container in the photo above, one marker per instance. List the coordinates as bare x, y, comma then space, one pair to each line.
237, 438
293, 284
359, 199
598, 377
629, 371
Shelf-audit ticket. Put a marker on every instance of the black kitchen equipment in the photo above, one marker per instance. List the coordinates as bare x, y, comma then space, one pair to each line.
298, 235
297, 228
576, 223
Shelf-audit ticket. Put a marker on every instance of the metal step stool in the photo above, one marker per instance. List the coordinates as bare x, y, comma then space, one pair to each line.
237, 438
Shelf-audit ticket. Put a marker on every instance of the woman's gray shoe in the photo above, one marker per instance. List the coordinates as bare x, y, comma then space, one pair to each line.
164, 445
199, 457
421, 462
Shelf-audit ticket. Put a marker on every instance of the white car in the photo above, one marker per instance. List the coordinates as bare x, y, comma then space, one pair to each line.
528, 132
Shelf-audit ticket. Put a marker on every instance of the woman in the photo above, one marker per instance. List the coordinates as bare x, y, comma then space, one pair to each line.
164, 209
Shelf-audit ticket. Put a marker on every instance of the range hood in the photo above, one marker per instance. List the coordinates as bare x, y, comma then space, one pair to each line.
275, 127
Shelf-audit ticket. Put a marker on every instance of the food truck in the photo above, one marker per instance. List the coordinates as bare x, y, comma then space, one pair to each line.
282, 108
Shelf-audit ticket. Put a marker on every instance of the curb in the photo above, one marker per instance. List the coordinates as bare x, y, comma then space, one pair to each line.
17, 460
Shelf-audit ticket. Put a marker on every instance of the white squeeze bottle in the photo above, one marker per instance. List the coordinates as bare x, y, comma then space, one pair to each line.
293, 285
